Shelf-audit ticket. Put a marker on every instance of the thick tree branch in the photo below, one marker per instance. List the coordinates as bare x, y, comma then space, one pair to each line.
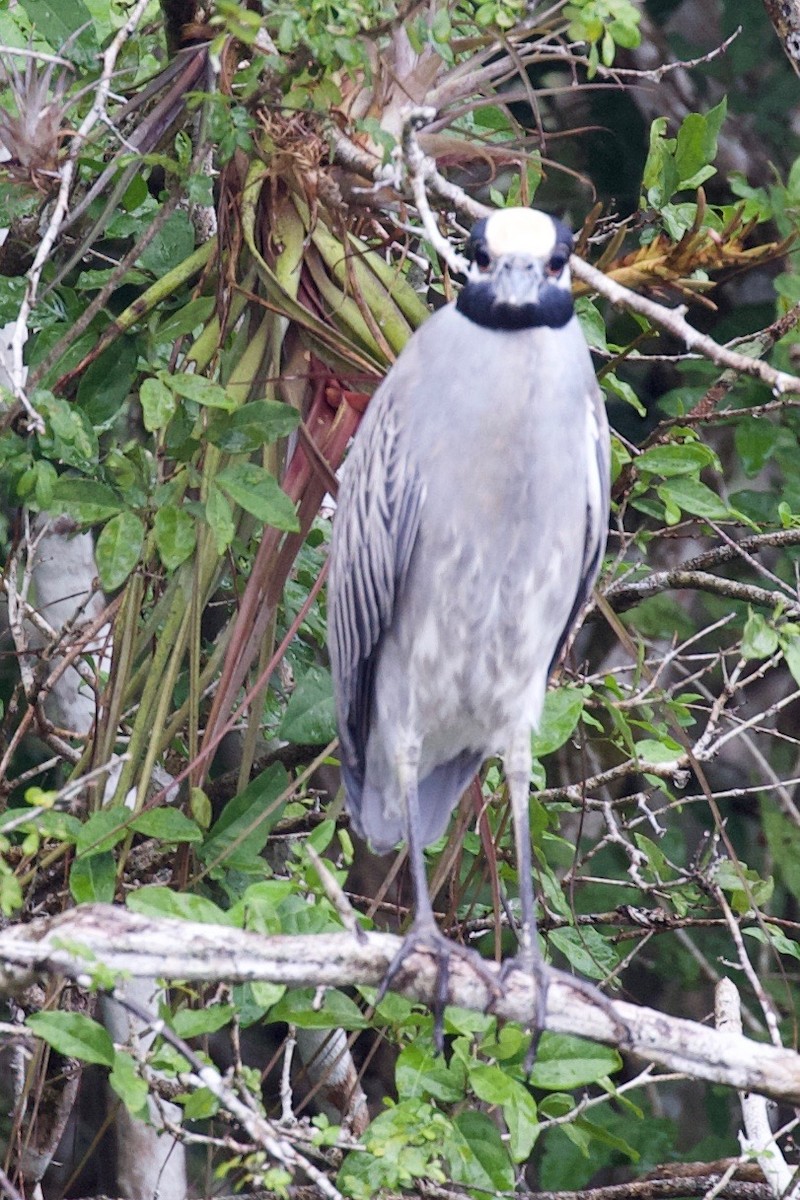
124, 941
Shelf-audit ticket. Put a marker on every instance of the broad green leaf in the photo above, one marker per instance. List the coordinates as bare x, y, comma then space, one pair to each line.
194, 1022
105, 384
73, 1035
258, 492
128, 1084
186, 319
245, 822
759, 639
562, 711
118, 549
521, 1117
58, 21
171, 245
168, 825
93, 878
783, 840
774, 937
199, 389
696, 145
199, 1105
158, 404
163, 902
756, 441
650, 750
220, 519
86, 501
586, 950
791, 652
252, 426
480, 1160
338, 1011
692, 496
419, 1071
564, 1062
103, 830
176, 535
310, 717
684, 458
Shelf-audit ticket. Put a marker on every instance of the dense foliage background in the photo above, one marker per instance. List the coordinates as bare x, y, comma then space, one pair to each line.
212, 257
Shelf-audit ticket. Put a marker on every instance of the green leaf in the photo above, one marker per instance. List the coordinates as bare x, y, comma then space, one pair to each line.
651, 750
692, 496
756, 441
481, 1160
774, 937
310, 717
168, 825
252, 426
522, 1119
93, 878
176, 535
759, 639
783, 840
106, 382
84, 500
562, 711
195, 1022
245, 822
791, 652
198, 389
128, 1084
297, 1007
171, 245
73, 1035
200, 1105
57, 21
564, 1062
68, 437
586, 950
158, 404
696, 145
683, 458
419, 1071
185, 319
220, 519
163, 902
102, 830
257, 492
118, 549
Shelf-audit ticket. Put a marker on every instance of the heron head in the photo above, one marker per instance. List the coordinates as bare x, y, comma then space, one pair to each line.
519, 272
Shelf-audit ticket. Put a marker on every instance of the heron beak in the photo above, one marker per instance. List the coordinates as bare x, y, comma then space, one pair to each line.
518, 280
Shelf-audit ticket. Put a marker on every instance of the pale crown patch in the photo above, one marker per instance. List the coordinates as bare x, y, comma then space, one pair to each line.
520, 231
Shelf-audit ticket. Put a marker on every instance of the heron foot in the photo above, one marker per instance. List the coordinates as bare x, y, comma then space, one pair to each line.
532, 964
543, 975
428, 937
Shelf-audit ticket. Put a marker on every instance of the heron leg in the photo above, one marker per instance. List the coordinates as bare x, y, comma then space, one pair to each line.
424, 933
528, 958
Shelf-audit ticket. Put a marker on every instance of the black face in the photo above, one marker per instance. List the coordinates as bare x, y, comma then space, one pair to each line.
552, 306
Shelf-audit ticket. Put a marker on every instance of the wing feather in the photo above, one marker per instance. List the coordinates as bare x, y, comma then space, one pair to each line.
598, 469
374, 533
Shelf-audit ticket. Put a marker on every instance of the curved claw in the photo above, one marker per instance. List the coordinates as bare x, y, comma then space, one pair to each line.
424, 936
543, 975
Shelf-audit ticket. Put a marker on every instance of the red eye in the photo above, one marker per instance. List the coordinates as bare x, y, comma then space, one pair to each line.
482, 258
558, 260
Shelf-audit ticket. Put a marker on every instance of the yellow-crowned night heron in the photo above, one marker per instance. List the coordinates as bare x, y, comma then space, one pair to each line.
470, 527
